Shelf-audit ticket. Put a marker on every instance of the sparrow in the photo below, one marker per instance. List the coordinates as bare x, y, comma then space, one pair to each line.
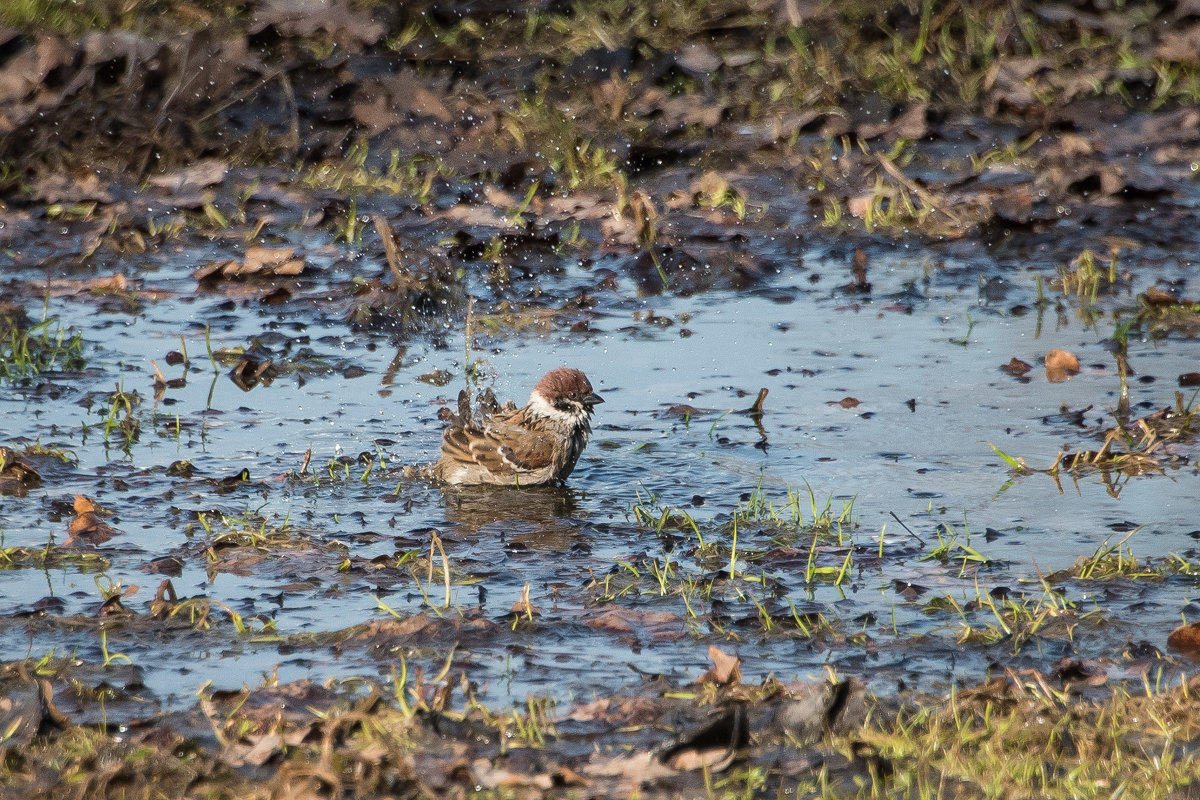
536, 444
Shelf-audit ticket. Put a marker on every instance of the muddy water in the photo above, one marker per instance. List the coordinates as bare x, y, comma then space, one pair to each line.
920, 353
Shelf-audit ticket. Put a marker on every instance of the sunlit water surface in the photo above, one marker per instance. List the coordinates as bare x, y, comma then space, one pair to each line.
920, 354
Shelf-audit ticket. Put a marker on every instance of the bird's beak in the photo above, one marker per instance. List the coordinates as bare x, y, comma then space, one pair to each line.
591, 399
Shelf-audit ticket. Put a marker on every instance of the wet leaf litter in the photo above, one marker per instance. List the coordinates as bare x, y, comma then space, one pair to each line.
226, 338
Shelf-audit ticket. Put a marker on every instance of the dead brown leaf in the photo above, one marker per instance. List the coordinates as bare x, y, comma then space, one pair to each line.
87, 528
1186, 639
611, 621
610, 709
1014, 204
85, 505
1155, 295
1016, 367
277, 261
1180, 46
660, 624
1010, 84
1074, 670
72, 187
262, 261
15, 473
491, 777
698, 58
25, 70
216, 268
69, 286
1069, 146
259, 750
113, 283
682, 111
565, 776
908, 125
713, 758
404, 98
1061, 365
860, 205
712, 744
309, 19
633, 770
477, 216
205, 172
255, 366
726, 671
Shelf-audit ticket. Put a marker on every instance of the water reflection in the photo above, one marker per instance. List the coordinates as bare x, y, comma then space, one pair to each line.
538, 517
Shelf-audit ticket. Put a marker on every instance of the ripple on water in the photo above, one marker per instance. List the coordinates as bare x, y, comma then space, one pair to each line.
618, 582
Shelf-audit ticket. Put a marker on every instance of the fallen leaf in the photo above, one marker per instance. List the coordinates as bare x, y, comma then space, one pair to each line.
1182, 46
714, 758
845, 402
113, 283
1156, 296
1061, 365
565, 776
860, 205
278, 261
712, 746
635, 769
253, 367
1009, 83
15, 473
88, 528
262, 749
612, 622
524, 608
909, 590
213, 268
1074, 670
1186, 639
84, 505
491, 777
726, 668
205, 172
625, 620
1016, 367
1014, 204
609, 709
439, 377
340, 19
910, 124
698, 58
263, 261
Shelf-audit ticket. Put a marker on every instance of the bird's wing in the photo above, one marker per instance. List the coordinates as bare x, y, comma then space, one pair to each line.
499, 448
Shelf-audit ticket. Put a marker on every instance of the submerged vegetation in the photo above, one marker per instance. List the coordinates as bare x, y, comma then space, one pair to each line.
29, 348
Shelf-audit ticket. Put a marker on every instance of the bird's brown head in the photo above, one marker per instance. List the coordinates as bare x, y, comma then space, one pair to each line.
567, 390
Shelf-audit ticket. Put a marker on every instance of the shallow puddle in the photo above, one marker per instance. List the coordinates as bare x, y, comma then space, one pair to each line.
880, 403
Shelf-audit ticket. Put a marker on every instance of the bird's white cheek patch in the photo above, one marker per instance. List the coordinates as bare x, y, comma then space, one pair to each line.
538, 403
